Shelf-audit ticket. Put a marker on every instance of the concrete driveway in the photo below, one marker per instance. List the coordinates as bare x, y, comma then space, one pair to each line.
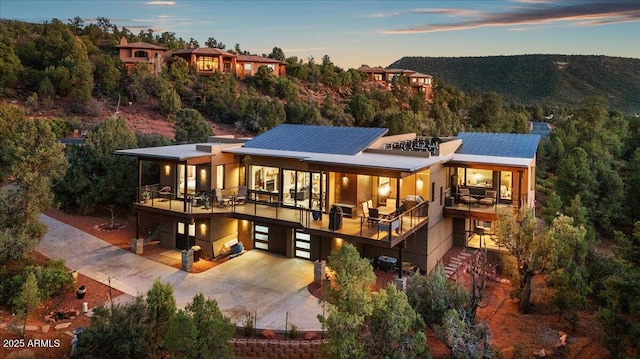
256, 281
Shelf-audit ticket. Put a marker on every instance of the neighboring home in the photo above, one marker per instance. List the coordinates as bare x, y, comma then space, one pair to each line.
301, 191
141, 52
419, 82
208, 60
248, 65
204, 59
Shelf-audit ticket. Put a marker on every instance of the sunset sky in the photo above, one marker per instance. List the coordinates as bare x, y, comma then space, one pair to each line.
375, 33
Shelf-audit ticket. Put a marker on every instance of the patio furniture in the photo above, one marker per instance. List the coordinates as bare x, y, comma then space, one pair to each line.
489, 198
220, 199
373, 217
241, 197
465, 196
166, 192
301, 195
389, 225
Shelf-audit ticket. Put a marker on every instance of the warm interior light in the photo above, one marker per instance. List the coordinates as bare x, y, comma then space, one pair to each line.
384, 189
419, 183
167, 170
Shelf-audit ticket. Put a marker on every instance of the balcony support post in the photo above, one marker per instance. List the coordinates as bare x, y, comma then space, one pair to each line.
400, 259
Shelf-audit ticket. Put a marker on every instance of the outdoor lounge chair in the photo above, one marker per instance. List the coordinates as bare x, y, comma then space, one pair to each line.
465, 196
489, 198
241, 196
165, 192
220, 199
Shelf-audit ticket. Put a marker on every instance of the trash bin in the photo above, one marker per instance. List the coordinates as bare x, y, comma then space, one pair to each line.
335, 218
80, 293
196, 253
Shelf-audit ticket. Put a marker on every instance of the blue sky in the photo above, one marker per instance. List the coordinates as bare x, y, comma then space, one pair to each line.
375, 33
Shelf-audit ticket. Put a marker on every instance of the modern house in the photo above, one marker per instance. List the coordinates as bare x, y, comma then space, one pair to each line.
417, 81
134, 53
205, 60
302, 191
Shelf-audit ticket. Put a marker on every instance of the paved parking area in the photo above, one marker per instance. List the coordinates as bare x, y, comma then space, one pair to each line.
256, 281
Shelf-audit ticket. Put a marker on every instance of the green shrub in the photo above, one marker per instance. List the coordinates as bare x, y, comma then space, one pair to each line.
293, 332
248, 325
52, 278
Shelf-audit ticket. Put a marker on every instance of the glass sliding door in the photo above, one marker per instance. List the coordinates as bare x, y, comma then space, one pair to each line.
296, 188
186, 181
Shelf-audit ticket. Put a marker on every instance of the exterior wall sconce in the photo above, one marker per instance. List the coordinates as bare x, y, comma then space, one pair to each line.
203, 175
167, 170
419, 183
345, 180
203, 229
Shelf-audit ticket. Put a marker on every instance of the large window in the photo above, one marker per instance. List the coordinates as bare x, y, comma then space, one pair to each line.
262, 178
207, 63
472, 177
506, 184
141, 53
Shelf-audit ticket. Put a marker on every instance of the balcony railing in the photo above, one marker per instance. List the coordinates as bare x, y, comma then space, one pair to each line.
382, 229
481, 203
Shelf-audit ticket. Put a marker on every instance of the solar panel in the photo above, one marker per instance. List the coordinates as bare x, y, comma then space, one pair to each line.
318, 139
498, 144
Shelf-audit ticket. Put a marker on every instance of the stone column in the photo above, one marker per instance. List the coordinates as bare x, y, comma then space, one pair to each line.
319, 271
136, 245
187, 260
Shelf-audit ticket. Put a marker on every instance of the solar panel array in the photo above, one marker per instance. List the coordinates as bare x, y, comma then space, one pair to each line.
498, 144
317, 139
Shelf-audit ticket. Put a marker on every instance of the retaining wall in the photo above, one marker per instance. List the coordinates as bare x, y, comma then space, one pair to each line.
278, 349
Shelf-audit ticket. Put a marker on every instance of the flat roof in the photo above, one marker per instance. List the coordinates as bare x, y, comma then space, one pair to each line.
177, 152
491, 160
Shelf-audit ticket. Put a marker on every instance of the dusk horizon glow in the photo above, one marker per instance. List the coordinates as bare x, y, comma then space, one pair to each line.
375, 33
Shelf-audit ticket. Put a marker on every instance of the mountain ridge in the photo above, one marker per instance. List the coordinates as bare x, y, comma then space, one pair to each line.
549, 79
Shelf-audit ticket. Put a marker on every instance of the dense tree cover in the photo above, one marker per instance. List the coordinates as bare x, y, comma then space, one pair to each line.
449, 310
95, 175
152, 328
27, 170
191, 127
363, 325
548, 80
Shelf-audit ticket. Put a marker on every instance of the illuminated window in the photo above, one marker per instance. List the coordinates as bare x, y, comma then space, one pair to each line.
207, 63
247, 67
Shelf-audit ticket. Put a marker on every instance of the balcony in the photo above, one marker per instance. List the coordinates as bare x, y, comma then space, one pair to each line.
481, 207
386, 232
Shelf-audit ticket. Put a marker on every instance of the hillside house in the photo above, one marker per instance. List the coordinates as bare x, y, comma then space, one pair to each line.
134, 53
204, 59
301, 191
417, 81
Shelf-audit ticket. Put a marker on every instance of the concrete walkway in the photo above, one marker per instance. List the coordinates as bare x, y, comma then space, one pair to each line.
256, 281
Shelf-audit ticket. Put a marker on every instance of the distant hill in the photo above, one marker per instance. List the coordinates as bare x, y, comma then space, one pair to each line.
546, 79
